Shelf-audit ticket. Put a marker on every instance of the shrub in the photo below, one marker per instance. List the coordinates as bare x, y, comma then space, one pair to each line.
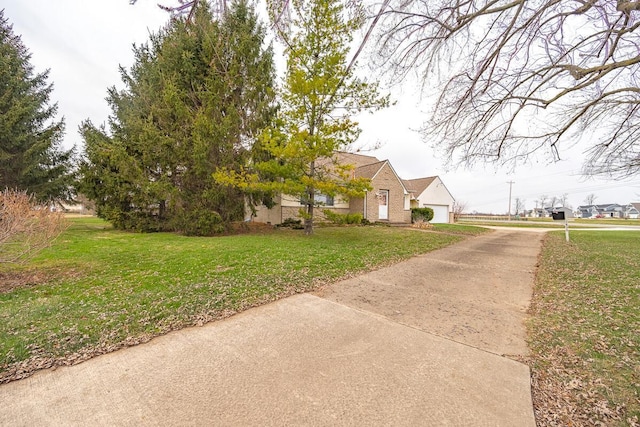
354, 218
341, 219
295, 224
424, 214
202, 222
26, 227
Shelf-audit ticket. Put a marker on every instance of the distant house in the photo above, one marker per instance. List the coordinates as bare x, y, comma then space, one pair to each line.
539, 213
632, 211
389, 201
431, 193
587, 211
610, 210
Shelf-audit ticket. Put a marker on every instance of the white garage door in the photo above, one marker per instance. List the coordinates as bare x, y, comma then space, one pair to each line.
440, 213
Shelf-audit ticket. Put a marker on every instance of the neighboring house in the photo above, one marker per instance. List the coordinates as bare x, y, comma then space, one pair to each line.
610, 210
431, 193
613, 210
587, 211
540, 213
632, 211
388, 201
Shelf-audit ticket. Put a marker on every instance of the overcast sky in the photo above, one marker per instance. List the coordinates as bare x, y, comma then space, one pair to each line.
83, 42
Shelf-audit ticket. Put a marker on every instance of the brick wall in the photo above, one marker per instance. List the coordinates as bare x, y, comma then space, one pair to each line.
386, 180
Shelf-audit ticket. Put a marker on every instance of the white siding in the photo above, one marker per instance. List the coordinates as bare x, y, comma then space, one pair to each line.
437, 197
440, 213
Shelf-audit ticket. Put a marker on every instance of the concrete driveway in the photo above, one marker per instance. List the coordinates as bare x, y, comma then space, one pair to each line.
418, 343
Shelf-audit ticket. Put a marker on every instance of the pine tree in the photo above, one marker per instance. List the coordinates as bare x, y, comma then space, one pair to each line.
319, 96
197, 95
31, 156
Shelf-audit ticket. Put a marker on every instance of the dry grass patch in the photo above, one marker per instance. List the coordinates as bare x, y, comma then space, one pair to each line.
585, 330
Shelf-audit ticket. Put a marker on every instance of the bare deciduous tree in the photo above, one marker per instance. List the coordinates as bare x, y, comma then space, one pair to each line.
590, 199
25, 227
519, 206
524, 75
459, 206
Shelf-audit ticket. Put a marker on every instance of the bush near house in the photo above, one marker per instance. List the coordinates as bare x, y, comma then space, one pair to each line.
343, 219
421, 214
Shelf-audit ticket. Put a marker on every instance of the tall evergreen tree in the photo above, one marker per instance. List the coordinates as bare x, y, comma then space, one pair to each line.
31, 156
195, 98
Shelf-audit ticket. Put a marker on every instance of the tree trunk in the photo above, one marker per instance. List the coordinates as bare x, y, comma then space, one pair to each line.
311, 193
308, 221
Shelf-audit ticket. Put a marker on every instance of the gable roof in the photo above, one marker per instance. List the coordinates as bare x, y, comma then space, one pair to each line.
370, 170
418, 185
357, 160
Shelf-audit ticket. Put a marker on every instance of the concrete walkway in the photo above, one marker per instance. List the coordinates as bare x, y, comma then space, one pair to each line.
418, 343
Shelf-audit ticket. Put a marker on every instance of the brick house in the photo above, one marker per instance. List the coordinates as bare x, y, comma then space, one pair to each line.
388, 201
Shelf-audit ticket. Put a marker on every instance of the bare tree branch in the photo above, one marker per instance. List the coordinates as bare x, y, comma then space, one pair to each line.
524, 75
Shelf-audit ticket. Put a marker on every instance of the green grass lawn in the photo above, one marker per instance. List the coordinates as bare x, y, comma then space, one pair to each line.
585, 330
97, 289
521, 224
610, 221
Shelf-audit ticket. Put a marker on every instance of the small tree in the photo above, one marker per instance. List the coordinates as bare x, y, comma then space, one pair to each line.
459, 206
320, 94
26, 227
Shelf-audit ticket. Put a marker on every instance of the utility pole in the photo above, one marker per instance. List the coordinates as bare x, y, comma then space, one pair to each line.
510, 185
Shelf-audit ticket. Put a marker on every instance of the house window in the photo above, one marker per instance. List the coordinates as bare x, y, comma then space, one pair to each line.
320, 199
324, 200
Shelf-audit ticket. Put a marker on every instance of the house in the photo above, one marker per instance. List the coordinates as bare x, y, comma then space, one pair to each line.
632, 211
610, 210
431, 193
613, 210
388, 201
588, 211
540, 213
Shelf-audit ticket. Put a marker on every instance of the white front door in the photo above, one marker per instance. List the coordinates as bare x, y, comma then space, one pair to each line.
383, 204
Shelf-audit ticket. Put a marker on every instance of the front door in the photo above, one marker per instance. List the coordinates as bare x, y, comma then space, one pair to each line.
383, 204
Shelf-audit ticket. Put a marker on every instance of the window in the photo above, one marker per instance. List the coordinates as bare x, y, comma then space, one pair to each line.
324, 200
320, 199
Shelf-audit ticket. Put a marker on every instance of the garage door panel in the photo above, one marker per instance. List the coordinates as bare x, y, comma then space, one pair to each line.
440, 213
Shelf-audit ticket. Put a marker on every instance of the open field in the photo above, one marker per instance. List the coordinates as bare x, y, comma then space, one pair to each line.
585, 330
98, 289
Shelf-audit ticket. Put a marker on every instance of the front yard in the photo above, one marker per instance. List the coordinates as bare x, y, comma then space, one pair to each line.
97, 289
585, 330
